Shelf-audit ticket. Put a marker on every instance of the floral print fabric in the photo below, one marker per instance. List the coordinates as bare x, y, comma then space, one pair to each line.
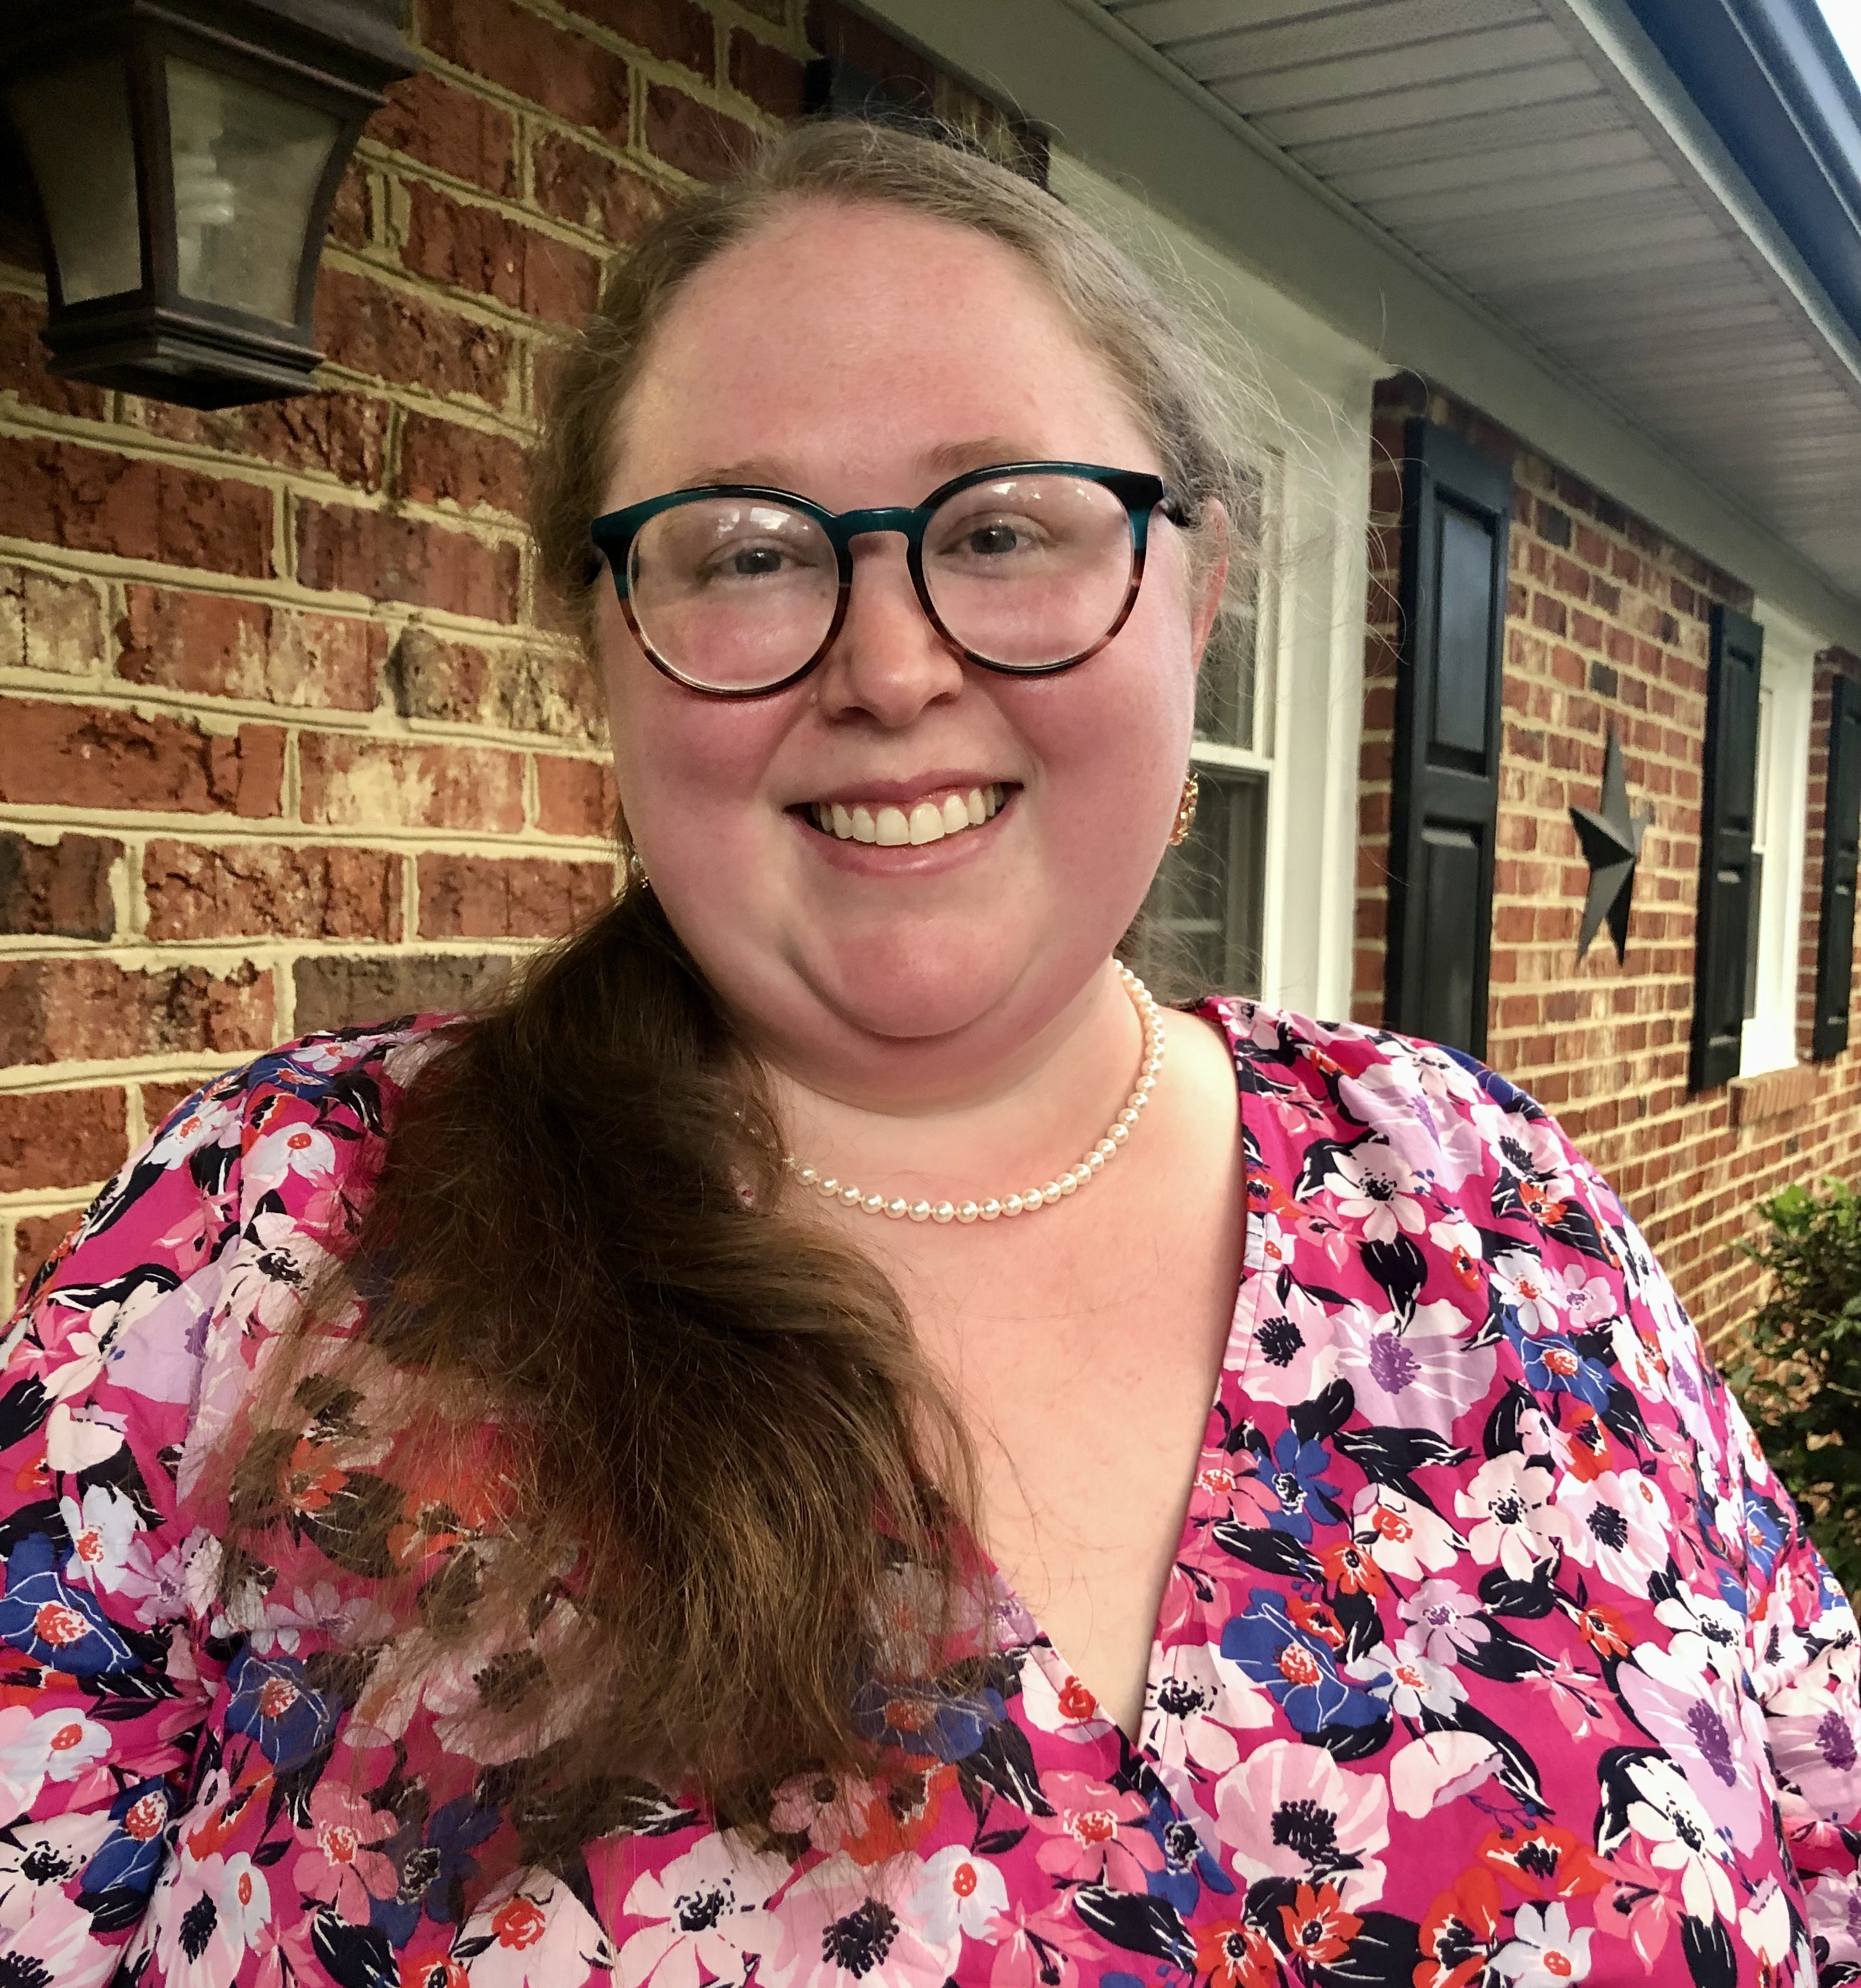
1492, 1654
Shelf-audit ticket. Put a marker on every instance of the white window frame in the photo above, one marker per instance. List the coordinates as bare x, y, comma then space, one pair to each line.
1315, 388
1787, 690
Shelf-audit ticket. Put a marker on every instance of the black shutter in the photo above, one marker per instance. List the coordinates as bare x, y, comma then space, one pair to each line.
1834, 949
1728, 801
1457, 507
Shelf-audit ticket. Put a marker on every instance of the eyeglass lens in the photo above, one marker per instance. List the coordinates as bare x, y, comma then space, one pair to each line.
735, 593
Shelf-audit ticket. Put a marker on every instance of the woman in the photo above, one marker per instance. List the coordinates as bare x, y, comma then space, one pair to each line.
689, 1476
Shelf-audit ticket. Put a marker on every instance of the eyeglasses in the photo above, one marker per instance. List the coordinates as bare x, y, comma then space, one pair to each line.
1027, 568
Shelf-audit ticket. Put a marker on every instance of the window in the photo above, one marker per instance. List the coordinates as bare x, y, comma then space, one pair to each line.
1210, 897
1778, 820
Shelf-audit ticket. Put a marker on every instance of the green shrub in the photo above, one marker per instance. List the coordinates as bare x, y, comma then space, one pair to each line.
1800, 1381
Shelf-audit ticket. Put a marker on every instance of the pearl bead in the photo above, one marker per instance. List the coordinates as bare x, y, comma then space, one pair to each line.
1149, 1021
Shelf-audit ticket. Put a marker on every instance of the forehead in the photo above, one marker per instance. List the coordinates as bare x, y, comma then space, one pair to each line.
852, 342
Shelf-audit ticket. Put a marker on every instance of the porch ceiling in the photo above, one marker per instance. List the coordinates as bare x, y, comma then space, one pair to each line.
1501, 144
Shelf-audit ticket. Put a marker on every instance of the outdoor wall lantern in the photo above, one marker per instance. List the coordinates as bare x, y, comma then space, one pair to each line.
184, 155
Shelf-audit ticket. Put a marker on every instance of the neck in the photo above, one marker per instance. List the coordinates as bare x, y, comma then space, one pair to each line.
1027, 1116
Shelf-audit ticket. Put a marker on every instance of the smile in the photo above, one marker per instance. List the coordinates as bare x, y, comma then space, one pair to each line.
930, 819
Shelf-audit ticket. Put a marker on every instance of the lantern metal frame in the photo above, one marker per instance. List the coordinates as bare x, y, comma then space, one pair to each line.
337, 55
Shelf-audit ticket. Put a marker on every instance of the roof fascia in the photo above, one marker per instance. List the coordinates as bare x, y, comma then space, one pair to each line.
1769, 77
1112, 100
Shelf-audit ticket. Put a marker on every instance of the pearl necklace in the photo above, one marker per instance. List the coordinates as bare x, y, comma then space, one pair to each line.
1116, 1133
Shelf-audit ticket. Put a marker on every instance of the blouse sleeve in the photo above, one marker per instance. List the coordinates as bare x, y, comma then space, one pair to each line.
102, 1691
1805, 1660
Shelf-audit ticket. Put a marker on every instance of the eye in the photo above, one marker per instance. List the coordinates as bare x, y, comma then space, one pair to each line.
752, 562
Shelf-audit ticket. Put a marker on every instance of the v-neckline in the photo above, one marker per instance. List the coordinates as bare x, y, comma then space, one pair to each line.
1040, 1648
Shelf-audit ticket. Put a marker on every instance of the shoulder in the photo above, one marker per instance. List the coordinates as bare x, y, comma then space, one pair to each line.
1445, 1114
294, 1124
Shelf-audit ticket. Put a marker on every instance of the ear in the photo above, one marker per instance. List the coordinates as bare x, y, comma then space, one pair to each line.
1207, 572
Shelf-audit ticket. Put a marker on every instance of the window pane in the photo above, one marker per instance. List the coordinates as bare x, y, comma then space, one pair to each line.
247, 165
1228, 697
1206, 906
76, 126
1754, 933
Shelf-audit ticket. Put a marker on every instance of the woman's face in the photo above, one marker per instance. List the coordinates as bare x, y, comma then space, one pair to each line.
861, 356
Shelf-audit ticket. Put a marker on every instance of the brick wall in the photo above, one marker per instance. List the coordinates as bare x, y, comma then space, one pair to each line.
284, 738
1607, 622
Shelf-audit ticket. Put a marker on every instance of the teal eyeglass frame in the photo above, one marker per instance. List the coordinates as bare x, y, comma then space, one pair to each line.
612, 536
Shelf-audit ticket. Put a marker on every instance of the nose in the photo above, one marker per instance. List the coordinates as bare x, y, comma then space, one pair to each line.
887, 662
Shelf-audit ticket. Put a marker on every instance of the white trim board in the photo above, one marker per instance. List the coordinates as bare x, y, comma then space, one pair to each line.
1115, 102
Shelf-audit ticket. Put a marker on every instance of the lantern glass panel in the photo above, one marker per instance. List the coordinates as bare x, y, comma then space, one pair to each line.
248, 164
75, 125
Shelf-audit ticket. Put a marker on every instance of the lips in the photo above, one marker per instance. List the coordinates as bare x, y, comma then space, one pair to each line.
931, 817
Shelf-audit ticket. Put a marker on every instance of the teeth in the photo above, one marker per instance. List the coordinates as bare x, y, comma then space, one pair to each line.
891, 828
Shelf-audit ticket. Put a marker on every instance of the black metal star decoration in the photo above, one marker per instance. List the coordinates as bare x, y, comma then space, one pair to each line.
1612, 846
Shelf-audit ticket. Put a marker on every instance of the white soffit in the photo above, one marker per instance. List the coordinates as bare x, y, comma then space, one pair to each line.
1513, 197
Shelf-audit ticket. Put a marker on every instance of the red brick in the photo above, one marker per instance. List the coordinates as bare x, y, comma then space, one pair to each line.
60, 1138
348, 782
22, 364
82, 1010
352, 213
75, 756
589, 190
91, 500
470, 897
523, 688
342, 434
49, 624
442, 462
774, 81
836, 31
450, 130
261, 890
391, 334
527, 56
374, 553
676, 30
577, 796
479, 249
36, 1238
213, 645
692, 137
160, 1101
337, 993
60, 889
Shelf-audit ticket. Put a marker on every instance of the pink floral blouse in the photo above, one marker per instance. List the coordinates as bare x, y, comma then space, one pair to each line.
1493, 1653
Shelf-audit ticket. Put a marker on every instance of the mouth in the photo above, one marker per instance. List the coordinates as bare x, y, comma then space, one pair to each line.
932, 817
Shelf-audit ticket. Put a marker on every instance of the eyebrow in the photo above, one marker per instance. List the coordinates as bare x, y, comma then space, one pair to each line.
945, 460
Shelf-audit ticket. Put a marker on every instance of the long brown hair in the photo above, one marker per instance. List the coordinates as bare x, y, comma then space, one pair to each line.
729, 1490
